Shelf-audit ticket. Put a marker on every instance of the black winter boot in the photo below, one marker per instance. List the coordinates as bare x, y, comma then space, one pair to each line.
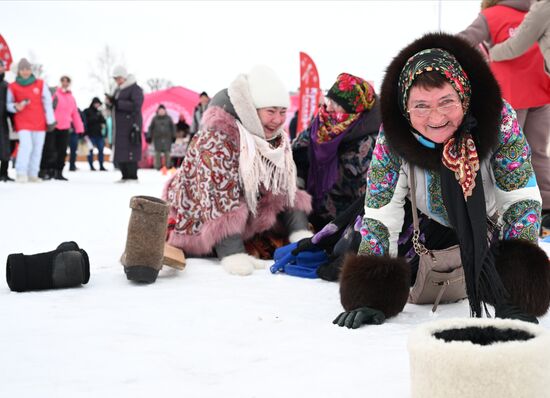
66, 266
59, 176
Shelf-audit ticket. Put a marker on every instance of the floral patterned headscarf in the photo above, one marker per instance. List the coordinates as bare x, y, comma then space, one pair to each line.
439, 60
352, 93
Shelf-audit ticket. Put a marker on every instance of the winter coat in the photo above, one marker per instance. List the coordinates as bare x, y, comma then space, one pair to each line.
523, 82
354, 155
207, 203
94, 122
38, 114
4, 130
127, 117
535, 27
507, 181
66, 111
162, 131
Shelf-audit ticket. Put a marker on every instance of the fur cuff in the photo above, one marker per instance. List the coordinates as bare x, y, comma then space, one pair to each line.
525, 272
378, 282
299, 235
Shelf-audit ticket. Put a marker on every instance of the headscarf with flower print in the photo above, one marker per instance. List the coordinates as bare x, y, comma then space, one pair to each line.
328, 129
460, 163
459, 153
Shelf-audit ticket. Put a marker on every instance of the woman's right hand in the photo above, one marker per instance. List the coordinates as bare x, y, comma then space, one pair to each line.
19, 106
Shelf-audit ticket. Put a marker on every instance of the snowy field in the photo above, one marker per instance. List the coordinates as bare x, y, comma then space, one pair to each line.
196, 333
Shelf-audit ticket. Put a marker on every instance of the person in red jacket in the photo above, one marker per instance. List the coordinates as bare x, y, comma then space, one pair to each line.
55, 147
523, 83
30, 99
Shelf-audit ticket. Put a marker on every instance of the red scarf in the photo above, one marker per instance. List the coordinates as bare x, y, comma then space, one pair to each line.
461, 158
333, 124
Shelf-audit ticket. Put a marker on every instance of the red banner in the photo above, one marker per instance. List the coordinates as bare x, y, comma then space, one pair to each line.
5, 54
310, 93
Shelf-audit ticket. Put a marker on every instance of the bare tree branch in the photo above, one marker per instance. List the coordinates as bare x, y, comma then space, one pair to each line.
159, 83
105, 62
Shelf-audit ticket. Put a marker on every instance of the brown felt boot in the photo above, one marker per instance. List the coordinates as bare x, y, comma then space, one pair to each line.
142, 258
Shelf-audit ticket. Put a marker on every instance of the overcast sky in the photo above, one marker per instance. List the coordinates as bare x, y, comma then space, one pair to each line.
204, 45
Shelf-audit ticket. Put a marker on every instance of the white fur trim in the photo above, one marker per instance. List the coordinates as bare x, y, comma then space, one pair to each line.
463, 369
239, 264
299, 235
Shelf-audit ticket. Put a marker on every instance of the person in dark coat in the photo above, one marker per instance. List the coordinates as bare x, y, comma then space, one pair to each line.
95, 123
162, 131
4, 131
334, 153
293, 126
126, 104
204, 100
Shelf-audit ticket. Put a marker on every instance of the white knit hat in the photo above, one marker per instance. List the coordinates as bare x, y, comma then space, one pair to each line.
120, 71
266, 89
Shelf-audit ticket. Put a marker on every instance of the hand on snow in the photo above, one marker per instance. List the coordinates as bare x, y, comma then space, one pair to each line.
364, 315
242, 264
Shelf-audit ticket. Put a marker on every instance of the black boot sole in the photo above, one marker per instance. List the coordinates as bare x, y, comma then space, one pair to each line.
141, 274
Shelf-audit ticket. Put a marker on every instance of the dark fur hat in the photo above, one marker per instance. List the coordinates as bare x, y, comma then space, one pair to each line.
485, 105
377, 282
525, 272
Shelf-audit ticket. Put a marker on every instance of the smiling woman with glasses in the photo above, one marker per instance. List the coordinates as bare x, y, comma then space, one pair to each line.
444, 122
421, 110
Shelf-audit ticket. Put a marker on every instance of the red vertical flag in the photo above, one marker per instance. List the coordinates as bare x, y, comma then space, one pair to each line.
310, 93
5, 54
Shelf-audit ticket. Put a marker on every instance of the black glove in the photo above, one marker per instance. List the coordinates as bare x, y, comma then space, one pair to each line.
66, 266
304, 245
148, 139
51, 127
510, 311
361, 316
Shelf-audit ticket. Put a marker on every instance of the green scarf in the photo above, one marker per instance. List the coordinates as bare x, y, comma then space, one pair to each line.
25, 82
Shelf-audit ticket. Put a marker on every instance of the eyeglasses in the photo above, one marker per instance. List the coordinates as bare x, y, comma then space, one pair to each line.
443, 109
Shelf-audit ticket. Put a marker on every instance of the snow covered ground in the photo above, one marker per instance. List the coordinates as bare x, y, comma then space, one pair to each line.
196, 333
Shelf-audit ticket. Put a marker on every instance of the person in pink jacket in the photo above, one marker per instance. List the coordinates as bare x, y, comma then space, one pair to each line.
55, 147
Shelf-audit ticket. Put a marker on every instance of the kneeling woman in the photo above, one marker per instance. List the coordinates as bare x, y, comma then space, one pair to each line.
238, 179
444, 120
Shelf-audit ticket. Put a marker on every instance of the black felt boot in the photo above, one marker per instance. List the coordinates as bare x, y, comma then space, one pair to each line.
59, 176
66, 266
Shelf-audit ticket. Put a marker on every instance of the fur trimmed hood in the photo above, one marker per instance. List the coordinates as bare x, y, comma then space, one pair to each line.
485, 105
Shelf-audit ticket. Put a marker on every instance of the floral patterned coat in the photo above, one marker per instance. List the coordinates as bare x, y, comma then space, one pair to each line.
509, 185
206, 199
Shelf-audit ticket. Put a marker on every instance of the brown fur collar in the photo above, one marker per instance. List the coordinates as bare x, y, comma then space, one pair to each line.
485, 106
